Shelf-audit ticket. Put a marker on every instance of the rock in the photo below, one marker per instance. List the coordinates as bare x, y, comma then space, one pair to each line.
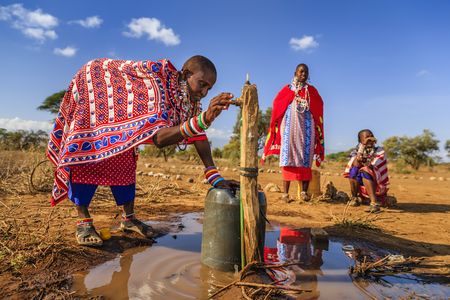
405, 177
150, 174
234, 170
178, 177
173, 167
337, 174
441, 179
342, 197
205, 181
330, 191
420, 178
166, 176
272, 187
190, 180
225, 169
147, 165
261, 170
279, 172
432, 178
391, 201
327, 173
139, 173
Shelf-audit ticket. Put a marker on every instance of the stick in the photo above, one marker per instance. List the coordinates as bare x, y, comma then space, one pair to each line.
224, 288
269, 286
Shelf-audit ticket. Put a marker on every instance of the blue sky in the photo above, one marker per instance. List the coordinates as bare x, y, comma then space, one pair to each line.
383, 65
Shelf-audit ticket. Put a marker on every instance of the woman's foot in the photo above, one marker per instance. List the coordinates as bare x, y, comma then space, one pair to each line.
373, 209
355, 201
138, 226
304, 196
86, 235
285, 197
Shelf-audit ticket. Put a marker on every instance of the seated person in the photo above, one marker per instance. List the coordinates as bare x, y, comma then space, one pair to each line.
367, 172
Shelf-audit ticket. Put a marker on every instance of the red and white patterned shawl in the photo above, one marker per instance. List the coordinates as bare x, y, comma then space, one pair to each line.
110, 107
379, 172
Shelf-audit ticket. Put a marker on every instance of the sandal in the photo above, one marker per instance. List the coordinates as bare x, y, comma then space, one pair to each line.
355, 201
138, 226
373, 209
286, 198
304, 196
86, 235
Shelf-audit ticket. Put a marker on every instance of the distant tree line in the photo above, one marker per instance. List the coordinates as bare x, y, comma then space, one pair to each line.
23, 140
412, 151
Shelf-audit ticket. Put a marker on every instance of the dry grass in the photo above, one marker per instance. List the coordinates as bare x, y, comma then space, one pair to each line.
347, 220
15, 171
27, 240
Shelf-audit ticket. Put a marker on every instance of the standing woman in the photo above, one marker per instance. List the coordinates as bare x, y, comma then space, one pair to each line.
296, 131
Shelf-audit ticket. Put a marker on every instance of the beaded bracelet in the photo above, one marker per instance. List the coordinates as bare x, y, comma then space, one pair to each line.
194, 126
213, 176
85, 221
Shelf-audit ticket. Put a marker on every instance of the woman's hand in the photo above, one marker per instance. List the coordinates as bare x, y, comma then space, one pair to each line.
216, 106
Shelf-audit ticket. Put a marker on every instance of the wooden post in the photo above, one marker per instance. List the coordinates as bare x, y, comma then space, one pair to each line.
249, 172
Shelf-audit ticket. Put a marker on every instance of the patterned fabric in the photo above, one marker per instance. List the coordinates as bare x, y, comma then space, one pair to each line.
297, 139
379, 172
112, 106
279, 108
119, 169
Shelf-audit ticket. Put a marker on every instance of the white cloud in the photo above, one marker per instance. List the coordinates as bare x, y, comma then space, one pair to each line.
153, 29
20, 124
67, 52
423, 73
218, 133
89, 22
305, 43
33, 24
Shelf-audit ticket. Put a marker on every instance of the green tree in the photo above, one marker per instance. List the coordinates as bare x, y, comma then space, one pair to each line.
232, 149
217, 153
52, 102
339, 156
153, 151
415, 151
447, 147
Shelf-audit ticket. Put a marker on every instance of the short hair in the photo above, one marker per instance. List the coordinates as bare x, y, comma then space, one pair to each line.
361, 132
304, 65
199, 62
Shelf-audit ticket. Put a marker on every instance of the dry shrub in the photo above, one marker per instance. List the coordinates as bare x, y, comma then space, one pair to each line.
364, 221
28, 239
15, 171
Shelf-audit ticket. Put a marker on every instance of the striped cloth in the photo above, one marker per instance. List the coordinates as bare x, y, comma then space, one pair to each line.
112, 106
379, 172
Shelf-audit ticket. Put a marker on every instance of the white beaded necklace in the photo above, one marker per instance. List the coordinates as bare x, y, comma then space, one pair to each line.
302, 104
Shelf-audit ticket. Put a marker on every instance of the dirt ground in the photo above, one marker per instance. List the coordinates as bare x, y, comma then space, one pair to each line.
38, 252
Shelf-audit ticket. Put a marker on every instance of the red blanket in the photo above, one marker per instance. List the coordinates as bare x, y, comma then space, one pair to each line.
280, 104
110, 107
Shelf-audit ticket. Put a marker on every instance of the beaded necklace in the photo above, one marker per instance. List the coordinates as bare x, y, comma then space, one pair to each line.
302, 104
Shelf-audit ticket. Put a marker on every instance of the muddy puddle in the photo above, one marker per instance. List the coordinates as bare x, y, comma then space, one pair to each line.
171, 269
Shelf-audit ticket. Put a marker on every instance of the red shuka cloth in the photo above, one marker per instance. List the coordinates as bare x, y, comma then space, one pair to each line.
280, 104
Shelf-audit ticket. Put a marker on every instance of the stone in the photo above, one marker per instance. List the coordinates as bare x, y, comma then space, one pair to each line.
205, 181
391, 201
342, 197
190, 180
405, 177
225, 169
261, 170
139, 173
330, 191
178, 177
234, 170
432, 178
272, 187
441, 179
147, 165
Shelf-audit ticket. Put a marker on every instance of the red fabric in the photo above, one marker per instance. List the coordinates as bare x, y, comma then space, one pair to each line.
296, 173
117, 170
110, 107
292, 236
280, 104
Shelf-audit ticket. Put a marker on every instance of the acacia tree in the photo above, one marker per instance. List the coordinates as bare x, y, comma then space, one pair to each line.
414, 151
232, 149
52, 102
447, 147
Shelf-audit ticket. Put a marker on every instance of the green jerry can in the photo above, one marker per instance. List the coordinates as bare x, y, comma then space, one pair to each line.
221, 239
